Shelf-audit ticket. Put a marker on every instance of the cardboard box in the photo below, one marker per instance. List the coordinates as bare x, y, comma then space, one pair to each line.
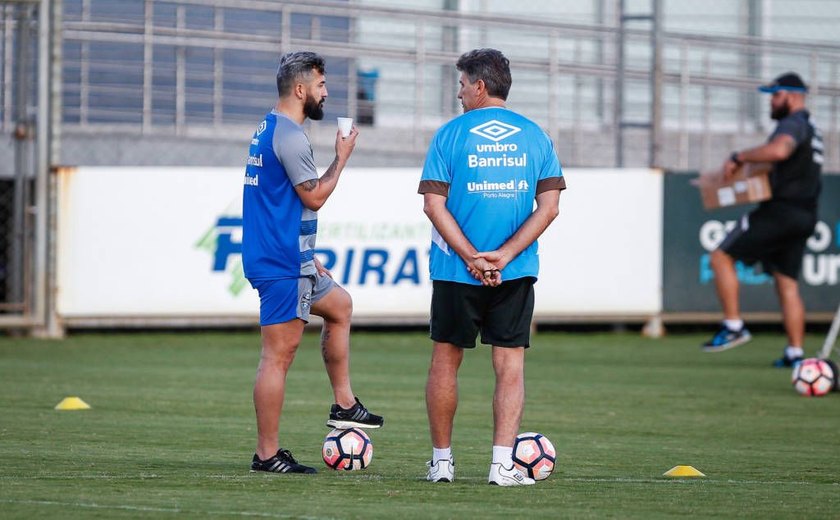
749, 184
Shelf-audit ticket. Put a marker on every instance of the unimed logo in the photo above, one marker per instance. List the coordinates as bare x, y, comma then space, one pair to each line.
495, 130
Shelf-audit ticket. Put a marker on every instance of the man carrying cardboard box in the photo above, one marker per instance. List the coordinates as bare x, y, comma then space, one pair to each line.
775, 233
749, 184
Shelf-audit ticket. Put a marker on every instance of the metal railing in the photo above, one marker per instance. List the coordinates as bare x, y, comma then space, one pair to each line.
187, 68
24, 45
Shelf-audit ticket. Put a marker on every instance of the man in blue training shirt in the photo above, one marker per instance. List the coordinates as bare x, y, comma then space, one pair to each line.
484, 171
281, 197
775, 233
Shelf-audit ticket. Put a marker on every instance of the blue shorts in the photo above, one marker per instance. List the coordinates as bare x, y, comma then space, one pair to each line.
285, 299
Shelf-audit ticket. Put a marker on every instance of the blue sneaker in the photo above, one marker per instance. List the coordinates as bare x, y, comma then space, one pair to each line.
726, 339
790, 358
786, 362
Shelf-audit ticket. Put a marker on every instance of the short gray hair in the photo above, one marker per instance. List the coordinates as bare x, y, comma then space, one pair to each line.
490, 66
295, 66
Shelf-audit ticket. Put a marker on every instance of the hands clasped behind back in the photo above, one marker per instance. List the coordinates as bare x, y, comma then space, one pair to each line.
485, 272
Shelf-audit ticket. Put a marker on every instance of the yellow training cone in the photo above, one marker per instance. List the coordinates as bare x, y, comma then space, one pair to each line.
683, 471
72, 403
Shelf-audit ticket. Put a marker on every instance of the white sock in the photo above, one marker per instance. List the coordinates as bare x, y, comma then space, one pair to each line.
441, 453
503, 455
735, 325
794, 352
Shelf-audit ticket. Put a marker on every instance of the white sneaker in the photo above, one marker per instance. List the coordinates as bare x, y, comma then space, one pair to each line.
502, 476
441, 471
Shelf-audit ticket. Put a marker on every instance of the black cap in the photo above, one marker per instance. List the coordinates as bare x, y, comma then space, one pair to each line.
788, 81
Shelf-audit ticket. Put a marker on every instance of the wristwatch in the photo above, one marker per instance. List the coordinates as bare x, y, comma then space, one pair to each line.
734, 158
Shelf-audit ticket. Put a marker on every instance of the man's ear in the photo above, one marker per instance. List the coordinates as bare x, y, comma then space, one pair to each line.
300, 91
480, 86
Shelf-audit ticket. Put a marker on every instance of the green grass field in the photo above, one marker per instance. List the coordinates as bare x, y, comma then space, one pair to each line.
171, 431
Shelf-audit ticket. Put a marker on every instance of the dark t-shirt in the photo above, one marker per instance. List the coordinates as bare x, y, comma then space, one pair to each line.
796, 180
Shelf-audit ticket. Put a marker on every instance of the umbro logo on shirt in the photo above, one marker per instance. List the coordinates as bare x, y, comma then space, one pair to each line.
496, 154
495, 130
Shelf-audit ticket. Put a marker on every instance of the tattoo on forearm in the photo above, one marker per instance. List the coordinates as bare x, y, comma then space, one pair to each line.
329, 174
310, 184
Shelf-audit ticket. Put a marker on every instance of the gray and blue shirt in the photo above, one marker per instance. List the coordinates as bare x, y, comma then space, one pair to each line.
278, 231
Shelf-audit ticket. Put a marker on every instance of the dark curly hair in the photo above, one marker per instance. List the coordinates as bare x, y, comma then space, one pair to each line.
295, 66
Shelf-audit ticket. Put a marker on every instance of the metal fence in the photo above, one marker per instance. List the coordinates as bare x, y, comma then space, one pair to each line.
620, 93
24, 31
186, 68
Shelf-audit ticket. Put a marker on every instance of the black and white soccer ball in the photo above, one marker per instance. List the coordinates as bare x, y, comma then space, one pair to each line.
814, 377
534, 455
348, 450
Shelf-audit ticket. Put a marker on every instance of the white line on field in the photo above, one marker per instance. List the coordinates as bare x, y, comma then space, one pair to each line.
700, 479
607, 480
664, 480
173, 510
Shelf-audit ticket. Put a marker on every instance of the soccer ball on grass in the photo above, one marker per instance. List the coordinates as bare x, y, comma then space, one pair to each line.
349, 449
813, 377
534, 455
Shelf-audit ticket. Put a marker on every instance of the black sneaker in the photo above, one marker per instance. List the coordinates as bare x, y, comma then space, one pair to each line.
726, 339
356, 417
281, 462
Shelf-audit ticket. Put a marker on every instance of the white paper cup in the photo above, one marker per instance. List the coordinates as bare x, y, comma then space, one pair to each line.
345, 124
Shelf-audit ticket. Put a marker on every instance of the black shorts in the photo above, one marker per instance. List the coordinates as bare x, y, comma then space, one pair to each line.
774, 235
502, 314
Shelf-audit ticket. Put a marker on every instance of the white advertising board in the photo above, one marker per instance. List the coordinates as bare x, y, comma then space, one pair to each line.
142, 242
603, 255
164, 243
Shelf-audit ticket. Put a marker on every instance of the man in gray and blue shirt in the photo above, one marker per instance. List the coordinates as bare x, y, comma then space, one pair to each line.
281, 196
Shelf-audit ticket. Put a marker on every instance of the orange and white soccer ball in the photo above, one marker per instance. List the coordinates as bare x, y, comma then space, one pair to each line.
348, 450
534, 455
813, 377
